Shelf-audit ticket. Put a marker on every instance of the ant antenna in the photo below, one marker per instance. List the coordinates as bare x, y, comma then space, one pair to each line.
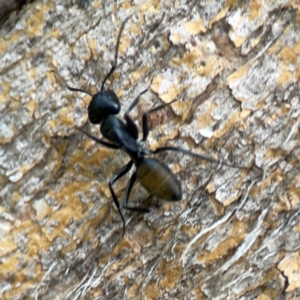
116, 54
71, 88
199, 156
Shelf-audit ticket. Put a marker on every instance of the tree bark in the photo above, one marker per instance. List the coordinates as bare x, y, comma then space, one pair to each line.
233, 68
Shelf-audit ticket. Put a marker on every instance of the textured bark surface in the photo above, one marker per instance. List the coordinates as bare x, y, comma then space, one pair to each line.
234, 67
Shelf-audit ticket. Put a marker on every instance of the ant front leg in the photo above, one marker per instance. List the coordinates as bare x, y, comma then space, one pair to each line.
130, 124
145, 120
104, 143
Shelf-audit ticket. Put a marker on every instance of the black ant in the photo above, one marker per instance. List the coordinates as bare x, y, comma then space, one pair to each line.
153, 174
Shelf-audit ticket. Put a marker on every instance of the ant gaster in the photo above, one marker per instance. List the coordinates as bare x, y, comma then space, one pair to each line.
153, 174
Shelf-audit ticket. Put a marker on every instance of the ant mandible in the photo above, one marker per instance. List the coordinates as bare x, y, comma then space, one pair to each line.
152, 173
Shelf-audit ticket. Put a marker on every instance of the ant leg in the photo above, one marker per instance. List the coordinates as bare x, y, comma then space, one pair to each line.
196, 155
112, 181
130, 124
145, 120
116, 54
128, 191
104, 143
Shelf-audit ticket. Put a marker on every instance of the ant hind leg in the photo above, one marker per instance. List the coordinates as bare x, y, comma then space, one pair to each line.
130, 124
128, 191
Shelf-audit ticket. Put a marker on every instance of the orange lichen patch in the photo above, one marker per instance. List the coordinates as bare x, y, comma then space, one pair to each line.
32, 73
203, 120
296, 48
293, 196
34, 24
238, 234
288, 55
284, 110
237, 75
189, 58
290, 266
133, 291
18, 288
293, 192
285, 76
219, 208
234, 197
172, 92
297, 227
31, 106
4, 97
66, 116
135, 29
176, 38
97, 4
122, 245
212, 67
165, 235
125, 43
7, 245
195, 27
222, 14
36, 242
151, 291
151, 6
60, 219
255, 42
255, 9
92, 45
276, 176
10, 264
271, 154
190, 230
182, 108
25, 168
171, 275
126, 4
80, 158
86, 232
230, 122
238, 41
268, 291
55, 33
169, 91
245, 113
3, 45
199, 294
285, 201
118, 268
232, 3
52, 124
137, 74
156, 83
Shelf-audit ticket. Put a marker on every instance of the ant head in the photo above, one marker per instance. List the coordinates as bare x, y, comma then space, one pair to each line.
102, 105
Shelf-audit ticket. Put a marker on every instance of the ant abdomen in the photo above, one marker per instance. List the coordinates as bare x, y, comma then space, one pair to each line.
158, 179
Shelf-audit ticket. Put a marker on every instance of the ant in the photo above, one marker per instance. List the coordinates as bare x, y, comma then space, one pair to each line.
152, 173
